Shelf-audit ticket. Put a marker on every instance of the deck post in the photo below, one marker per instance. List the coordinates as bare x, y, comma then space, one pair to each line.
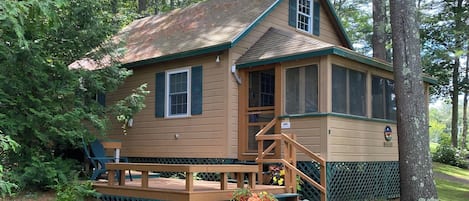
323, 181
122, 178
110, 177
240, 178
144, 179
189, 181
223, 180
252, 180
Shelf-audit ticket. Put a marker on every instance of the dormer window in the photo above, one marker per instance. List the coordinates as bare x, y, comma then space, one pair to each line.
304, 15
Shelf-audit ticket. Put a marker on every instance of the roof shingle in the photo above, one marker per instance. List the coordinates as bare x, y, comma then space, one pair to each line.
277, 43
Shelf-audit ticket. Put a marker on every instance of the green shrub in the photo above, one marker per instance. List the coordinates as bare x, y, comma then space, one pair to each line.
449, 155
71, 189
42, 172
6, 145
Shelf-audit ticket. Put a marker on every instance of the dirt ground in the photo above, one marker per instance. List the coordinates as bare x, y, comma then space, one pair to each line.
36, 196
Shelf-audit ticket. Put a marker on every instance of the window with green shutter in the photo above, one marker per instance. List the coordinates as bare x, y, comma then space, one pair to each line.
178, 92
304, 15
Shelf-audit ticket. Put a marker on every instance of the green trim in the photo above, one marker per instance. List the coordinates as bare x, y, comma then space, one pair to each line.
258, 20
332, 114
362, 59
339, 24
315, 53
322, 52
179, 55
429, 79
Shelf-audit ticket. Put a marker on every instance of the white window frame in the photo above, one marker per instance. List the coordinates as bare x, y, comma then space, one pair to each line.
310, 16
188, 90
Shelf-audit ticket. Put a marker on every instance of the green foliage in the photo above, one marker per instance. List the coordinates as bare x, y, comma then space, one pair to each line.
125, 108
71, 189
245, 194
447, 154
42, 172
356, 18
45, 106
6, 145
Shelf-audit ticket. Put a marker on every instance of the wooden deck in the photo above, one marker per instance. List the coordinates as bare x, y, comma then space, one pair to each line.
180, 189
174, 189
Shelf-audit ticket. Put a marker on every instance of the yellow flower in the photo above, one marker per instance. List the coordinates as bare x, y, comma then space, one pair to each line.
282, 172
280, 181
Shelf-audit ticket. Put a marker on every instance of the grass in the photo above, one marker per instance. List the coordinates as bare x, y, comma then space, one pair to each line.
451, 170
449, 190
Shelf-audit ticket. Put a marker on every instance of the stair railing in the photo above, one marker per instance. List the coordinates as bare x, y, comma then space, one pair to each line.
288, 158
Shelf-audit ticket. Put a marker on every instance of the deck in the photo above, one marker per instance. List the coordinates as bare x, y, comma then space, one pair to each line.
180, 189
174, 189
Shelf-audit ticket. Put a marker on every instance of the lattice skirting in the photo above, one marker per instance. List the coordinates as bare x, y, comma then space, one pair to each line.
122, 198
354, 180
345, 180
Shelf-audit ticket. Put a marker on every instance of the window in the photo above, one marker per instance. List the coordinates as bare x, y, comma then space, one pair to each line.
301, 90
178, 93
304, 15
383, 98
348, 91
178, 89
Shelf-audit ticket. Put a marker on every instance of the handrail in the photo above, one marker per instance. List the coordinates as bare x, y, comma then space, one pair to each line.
267, 127
305, 150
289, 158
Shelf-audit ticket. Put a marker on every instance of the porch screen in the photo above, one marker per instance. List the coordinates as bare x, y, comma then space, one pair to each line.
301, 90
383, 98
348, 91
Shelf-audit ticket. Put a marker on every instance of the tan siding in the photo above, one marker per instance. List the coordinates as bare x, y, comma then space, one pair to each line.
359, 140
310, 132
200, 136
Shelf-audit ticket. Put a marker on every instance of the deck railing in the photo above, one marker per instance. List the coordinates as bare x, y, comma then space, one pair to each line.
288, 158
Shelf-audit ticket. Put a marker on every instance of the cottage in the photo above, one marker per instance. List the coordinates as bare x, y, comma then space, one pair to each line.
219, 71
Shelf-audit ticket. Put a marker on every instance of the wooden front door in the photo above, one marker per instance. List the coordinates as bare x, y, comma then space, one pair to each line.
258, 99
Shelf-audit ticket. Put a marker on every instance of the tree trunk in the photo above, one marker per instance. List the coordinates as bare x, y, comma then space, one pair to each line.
156, 10
142, 6
455, 103
379, 29
114, 6
416, 177
464, 115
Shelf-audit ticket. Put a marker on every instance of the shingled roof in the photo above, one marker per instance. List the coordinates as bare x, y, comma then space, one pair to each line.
209, 24
276, 43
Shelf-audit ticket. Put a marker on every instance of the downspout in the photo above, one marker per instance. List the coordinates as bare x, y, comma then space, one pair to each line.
235, 74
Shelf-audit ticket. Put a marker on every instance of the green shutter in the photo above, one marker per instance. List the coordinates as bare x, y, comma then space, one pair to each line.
101, 98
292, 13
316, 11
160, 94
196, 90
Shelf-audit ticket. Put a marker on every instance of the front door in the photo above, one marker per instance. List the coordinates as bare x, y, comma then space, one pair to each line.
258, 102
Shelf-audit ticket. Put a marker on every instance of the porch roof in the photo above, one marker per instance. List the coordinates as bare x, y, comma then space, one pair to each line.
276, 43
279, 46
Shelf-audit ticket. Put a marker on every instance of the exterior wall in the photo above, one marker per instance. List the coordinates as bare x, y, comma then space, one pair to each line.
359, 140
311, 133
200, 136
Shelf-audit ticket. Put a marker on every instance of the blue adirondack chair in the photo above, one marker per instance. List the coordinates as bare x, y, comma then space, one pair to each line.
99, 159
